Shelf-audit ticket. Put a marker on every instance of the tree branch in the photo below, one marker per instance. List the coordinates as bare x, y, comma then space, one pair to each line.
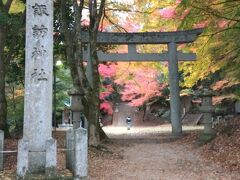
80, 9
8, 5
222, 30
100, 12
78, 43
116, 25
1, 4
130, 11
214, 13
64, 28
224, 2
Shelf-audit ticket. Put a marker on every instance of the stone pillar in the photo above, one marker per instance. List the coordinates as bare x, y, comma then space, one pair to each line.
207, 109
76, 107
174, 89
22, 158
38, 82
70, 149
1, 149
81, 154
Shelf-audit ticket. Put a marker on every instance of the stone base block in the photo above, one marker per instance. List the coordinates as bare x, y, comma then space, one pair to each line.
37, 161
80, 178
31, 162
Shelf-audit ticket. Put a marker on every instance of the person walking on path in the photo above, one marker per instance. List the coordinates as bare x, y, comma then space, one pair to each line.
129, 122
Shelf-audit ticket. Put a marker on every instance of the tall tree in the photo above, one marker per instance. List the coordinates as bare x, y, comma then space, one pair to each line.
94, 90
7, 29
87, 83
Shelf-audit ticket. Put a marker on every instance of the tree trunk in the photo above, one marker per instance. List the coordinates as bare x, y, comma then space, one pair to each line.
3, 101
80, 81
94, 138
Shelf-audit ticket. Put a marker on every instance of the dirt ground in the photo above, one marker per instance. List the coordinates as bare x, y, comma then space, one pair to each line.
160, 158
145, 152
152, 156
151, 153
148, 152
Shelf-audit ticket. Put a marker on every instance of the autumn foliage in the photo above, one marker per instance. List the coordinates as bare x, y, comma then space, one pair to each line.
107, 71
139, 82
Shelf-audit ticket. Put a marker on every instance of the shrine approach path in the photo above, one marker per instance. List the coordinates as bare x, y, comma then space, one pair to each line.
149, 152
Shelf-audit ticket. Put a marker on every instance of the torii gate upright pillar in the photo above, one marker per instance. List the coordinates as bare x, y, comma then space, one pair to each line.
174, 89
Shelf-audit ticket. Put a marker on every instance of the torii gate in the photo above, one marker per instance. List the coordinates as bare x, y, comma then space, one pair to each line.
172, 56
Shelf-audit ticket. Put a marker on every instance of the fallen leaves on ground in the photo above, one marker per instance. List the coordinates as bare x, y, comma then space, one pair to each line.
224, 149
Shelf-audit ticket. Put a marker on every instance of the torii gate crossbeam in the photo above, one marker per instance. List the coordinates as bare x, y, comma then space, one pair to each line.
145, 37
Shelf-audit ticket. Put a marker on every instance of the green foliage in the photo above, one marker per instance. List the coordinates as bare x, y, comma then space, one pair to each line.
15, 82
63, 85
14, 64
3, 17
15, 108
206, 138
17, 7
237, 93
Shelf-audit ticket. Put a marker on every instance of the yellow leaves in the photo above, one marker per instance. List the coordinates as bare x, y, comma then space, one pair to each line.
17, 7
199, 70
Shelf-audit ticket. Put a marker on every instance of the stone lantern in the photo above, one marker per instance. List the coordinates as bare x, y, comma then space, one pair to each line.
207, 109
76, 107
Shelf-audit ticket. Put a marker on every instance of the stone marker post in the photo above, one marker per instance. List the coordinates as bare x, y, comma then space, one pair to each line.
1, 149
72, 138
174, 89
70, 149
81, 154
38, 85
22, 158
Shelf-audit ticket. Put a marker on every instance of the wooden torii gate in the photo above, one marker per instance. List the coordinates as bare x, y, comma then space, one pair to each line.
172, 39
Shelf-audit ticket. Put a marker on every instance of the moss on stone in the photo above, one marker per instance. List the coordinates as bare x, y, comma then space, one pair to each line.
206, 138
45, 177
